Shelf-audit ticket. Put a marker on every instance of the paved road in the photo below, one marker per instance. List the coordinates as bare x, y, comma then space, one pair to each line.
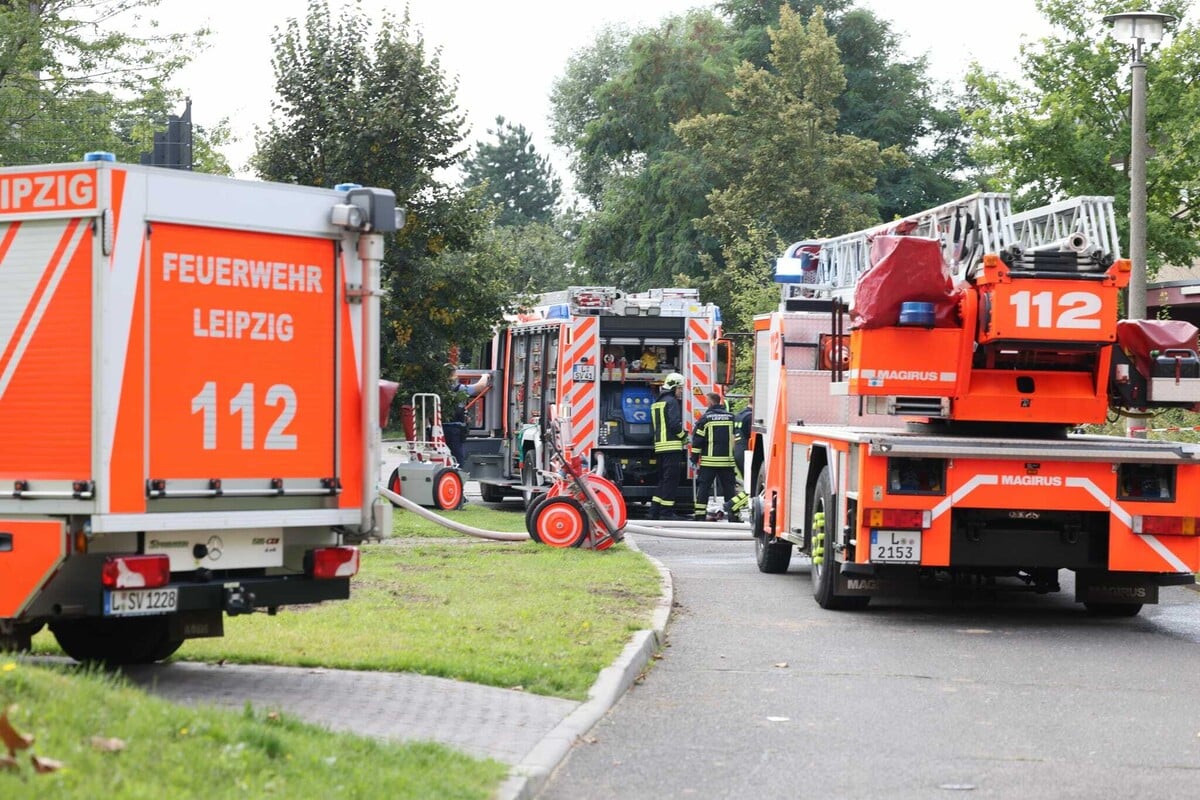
762, 694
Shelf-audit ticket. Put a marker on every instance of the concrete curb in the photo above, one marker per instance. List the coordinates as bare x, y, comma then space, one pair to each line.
528, 778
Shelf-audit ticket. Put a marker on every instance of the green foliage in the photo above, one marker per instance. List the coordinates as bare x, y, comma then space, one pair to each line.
367, 103
647, 189
576, 105
618, 105
542, 254
519, 180
826, 188
80, 75
1060, 129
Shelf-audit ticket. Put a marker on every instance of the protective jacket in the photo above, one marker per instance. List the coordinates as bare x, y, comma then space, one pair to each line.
667, 416
712, 437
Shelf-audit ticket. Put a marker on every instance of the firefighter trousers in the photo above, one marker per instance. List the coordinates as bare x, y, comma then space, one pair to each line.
727, 484
670, 470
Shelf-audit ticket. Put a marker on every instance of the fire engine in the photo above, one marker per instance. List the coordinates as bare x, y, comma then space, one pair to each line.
600, 355
918, 398
189, 400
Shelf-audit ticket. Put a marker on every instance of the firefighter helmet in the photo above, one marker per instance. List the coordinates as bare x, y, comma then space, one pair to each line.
673, 381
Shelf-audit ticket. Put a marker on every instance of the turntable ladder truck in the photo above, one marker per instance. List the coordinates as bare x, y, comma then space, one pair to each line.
189, 401
917, 400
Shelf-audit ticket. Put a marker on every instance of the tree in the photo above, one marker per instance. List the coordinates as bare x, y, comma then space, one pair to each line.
888, 99
76, 75
519, 179
368, 104
576, 106
1061, 128
646, 188
758, 208
616, 109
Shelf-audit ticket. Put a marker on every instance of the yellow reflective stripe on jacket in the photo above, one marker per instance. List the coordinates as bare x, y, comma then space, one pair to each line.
663, 441
718, 443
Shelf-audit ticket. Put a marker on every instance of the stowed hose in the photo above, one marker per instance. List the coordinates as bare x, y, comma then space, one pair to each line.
666, 529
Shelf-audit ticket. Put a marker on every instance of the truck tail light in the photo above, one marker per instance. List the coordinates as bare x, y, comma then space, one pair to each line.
1157, 525
899, 518
335, 562
135, 572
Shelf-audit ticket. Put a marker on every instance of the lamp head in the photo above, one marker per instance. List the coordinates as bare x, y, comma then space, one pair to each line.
1139, 27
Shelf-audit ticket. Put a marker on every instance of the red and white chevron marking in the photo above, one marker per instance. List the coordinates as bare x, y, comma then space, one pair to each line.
700, 372
583, 397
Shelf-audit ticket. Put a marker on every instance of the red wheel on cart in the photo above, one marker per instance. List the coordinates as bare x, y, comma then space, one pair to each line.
607, 493
610, 499
394, 481
560, 522
447, 489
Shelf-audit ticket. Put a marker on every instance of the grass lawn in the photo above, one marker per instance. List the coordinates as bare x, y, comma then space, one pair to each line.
111, 740
427, 600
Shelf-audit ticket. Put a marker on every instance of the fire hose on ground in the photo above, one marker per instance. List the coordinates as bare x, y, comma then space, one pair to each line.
667, 529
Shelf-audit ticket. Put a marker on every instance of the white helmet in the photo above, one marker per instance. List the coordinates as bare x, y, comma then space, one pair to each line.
673, 381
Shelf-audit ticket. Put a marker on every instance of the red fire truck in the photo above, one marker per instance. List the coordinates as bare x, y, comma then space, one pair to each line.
189, 401
917, 397
599, 354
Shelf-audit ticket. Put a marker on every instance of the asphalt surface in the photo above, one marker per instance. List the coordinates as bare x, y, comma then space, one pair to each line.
760, 693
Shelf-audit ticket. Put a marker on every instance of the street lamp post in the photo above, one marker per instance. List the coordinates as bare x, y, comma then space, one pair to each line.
1138, 29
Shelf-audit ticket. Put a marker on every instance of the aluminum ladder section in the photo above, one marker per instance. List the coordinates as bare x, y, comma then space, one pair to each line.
1053, 226
966, 229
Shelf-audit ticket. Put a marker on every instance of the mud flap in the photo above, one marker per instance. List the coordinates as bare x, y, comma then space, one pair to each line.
867, 580
197, 624
1115, 587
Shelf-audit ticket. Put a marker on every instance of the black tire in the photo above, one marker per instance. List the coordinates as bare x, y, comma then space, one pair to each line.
772, 555
116, 642
529, 512
821, 512
394, 483
490, 493
1113, 609
529, 479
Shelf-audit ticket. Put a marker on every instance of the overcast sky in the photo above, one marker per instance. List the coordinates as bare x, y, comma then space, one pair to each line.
506, 54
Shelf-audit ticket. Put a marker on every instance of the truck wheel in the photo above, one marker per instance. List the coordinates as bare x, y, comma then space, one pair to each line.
115, 642
773, 555
1113, 609
824, 567
490, 493
394, 483
560, 522
447, 490
529, 479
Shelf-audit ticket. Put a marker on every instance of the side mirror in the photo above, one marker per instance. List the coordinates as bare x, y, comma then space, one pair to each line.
725, 362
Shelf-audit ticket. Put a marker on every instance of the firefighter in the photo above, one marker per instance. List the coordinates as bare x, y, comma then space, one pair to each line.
712, 449
666, 414
741, 437
454, 429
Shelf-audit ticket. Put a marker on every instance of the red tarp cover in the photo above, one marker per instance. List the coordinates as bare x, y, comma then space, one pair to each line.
1140, 337
904, 268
